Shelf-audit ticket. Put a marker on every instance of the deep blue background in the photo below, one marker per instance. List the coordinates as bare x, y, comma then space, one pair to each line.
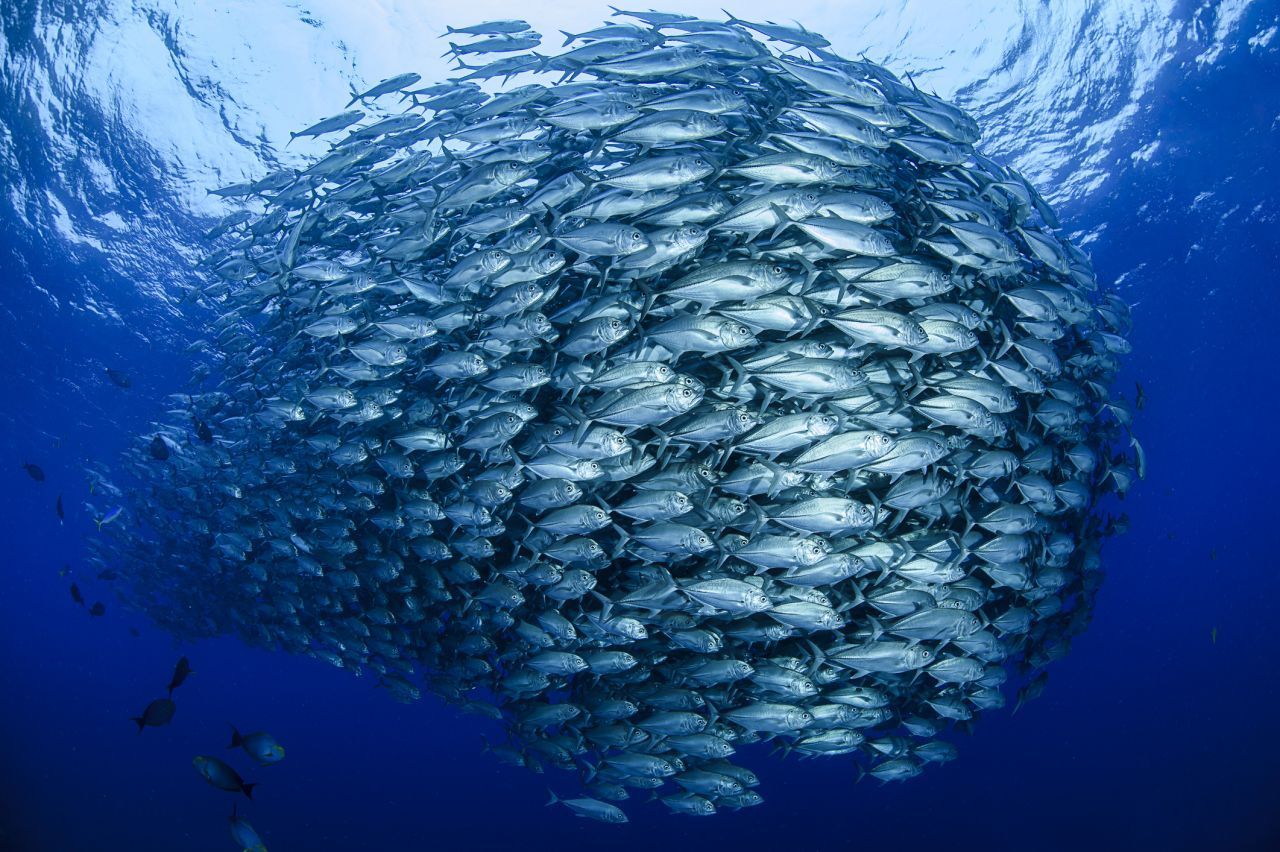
1150, 736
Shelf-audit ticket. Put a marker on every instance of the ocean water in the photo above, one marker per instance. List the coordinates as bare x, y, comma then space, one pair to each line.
1153, 128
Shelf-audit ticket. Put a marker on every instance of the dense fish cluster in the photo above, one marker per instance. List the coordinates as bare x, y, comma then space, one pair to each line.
711, 391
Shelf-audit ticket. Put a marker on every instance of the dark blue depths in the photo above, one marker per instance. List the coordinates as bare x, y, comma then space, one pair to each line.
1156, 732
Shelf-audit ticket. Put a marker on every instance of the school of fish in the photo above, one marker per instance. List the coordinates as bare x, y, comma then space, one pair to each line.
705, 389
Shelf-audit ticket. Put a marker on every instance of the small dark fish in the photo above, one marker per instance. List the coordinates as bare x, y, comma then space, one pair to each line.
1213, 636
158, 712
221, 775
1213, 554
109, 517
133, 631
34, 471
108, 574
1140, 401
75, 594
203, 432
98, 609
244, 835
62, 516
261, 746
119, 379
180, 673
159, 449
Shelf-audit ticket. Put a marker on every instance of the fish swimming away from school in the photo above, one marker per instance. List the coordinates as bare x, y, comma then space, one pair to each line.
705, 389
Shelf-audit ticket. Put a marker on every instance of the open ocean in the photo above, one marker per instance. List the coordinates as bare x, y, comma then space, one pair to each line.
1153, 128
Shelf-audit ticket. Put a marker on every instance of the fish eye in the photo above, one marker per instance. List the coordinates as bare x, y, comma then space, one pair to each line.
777, 270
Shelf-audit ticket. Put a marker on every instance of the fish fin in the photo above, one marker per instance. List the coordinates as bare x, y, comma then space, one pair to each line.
663, 440
141, 724
778, 474
236, 739
782, 226
623, 538
247, 789
1007, 343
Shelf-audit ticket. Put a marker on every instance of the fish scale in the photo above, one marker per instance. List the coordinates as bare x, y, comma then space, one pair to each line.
795, 297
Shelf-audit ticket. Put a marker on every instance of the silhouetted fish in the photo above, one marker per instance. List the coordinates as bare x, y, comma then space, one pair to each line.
180, 673
157, 713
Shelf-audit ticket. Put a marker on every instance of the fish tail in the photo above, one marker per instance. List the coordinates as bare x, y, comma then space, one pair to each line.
236, 739
247, 789
140, 723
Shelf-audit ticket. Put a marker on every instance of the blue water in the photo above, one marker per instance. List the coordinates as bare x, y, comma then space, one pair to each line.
1156, 732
